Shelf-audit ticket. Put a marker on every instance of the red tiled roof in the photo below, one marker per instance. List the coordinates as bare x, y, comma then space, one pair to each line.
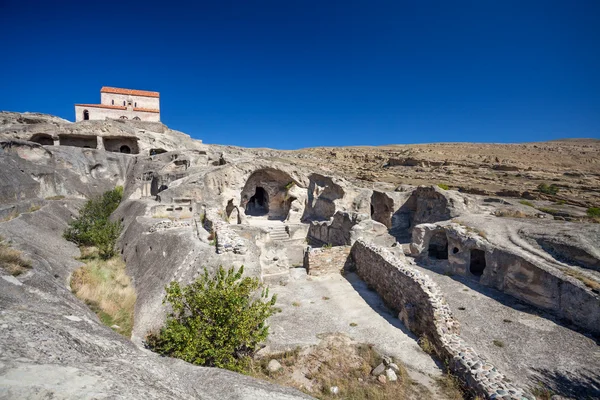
132, 92
118, 107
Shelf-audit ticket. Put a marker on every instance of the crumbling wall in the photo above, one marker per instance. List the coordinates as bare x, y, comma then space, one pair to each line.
321, 261
423, 309
335, 232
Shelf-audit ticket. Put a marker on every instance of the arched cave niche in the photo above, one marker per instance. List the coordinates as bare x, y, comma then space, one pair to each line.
382, 207
438, 246
125, 149
266, 193
259, 203
43, 139
477, 264
233, 213
154, 152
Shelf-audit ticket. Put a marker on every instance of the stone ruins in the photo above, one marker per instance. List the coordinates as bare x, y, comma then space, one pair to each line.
504, 292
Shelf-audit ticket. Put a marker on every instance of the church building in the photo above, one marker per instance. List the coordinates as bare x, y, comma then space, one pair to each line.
118, 103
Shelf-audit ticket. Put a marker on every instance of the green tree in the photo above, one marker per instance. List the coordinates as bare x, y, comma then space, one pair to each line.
93, 228
215, 321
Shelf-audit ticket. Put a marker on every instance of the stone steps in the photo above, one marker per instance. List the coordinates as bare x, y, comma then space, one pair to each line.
278, 233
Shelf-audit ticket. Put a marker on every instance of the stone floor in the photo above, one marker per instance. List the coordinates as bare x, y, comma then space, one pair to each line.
313, 306
527, 345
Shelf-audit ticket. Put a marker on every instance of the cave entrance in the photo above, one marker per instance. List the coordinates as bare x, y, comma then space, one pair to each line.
477, 264
125, 149
42, 139
438, 246
258, 204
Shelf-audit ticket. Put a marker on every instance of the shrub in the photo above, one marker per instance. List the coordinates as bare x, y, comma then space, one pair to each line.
215, 321
593, 212
92, 227
443, 186
526, 203
548, 189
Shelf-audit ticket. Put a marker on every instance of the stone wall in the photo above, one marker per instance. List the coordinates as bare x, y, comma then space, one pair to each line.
100, 113
152, 103
514, 271
423, 309
226, 239
321, 261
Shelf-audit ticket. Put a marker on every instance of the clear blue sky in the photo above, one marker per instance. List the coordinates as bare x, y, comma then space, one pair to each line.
289, 74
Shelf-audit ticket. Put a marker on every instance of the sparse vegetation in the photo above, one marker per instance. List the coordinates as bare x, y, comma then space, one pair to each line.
93, 228
12, 260
33, 209
296, 304
541, 392
526, 203
338, 364
451, 386
12, 215
593, 212
426, 345
551, 189
592, 284
548, 210
353, 324
498, 343
325, 298
443, 186
215, 321
327, 246
105, 287
289, 186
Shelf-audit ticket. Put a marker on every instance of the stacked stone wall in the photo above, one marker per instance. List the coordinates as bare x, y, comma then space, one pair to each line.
321, 261
423, 309
226, 239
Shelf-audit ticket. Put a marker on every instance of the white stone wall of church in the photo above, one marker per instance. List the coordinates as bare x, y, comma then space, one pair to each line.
142, 101
97, 113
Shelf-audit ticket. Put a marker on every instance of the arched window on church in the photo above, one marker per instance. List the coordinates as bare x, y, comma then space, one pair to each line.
135, 104
113, 102
123, 102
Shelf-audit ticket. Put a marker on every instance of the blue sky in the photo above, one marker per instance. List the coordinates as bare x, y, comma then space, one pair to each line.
291, 74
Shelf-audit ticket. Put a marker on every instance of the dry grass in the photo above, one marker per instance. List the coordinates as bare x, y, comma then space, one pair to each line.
451, 386
541, 392
60, 197
10, 216
12, 260
337, 361
426, 345
106, 289
592, 284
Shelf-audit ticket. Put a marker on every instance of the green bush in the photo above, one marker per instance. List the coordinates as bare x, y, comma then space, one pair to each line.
548, 189
593, 212
93, 228
443, 186
215, 321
